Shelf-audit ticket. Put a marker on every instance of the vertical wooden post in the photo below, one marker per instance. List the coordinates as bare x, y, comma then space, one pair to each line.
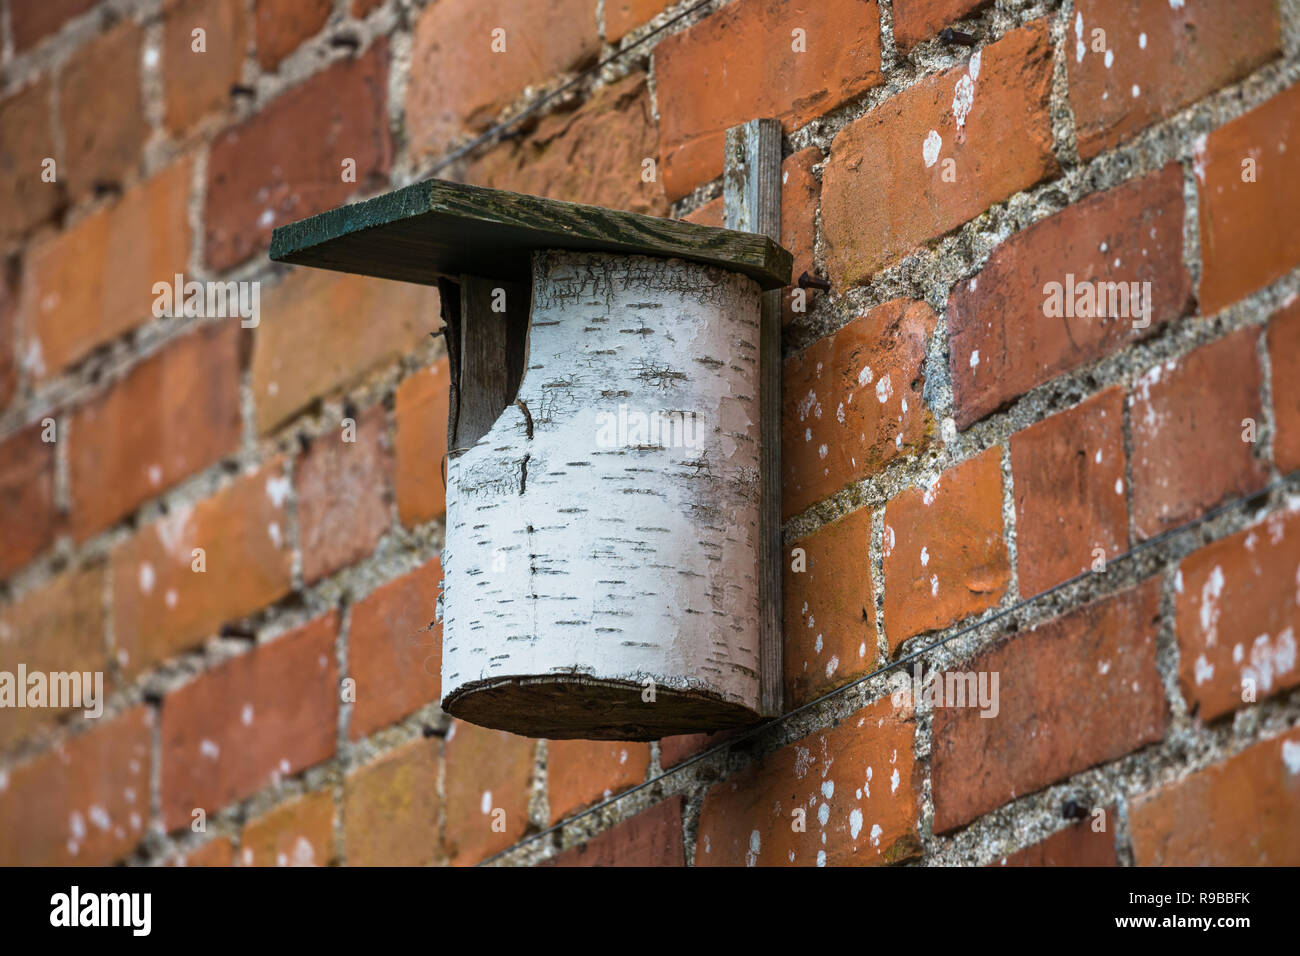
752, 203
491, 345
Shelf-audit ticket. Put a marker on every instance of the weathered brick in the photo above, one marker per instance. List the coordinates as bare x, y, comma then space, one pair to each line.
582, 772
742, 61
198, 83
56, 628
1284, 357
216, 852
28, 512
172, 415
593, 155
883, 190
624, 16
9, 272
651, 838
29, 23
852, 791
101, 108
830, 608
800, 194
1237, 617
162, 605
297, 833
865, 380
1076, 845
283, 24
710, 214
917, 20
26, 141
488, 777
395, 661
91, 283
250, 721
459, 84
321, 309
1075, 692
1152, 59
286, 162
1242, 812
1188, 422
1003, 342
391, 810
86, 802
1068, 478
421, 444
944, 557
1248, 174
673, 750
344, 495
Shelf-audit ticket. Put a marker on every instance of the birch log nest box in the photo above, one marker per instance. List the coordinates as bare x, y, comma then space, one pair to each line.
602, 556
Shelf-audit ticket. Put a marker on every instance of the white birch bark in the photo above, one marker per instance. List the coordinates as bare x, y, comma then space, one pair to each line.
573, 559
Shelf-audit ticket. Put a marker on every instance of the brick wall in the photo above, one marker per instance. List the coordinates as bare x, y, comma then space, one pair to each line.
962, 466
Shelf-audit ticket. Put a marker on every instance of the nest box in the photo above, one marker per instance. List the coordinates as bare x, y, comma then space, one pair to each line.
604, 507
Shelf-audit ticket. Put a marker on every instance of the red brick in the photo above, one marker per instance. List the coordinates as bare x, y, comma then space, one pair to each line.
217, 852
487, 771
917, 20
865, 379
85, 803
250, 721
1242, 247
55, 629
1076, 845
674, 750
582, 772
830, 609
28, 512
740, 62
344, 495
1067, 474
1242, 812
623, 16
593, 155
1003, 343
1284, 357
651, 838
285, 162
162, 605
91, 283
361, 8
800, 194
321, 308
396, 663
198, 83
29, 23
297, 833
283, 24
880, 201
459, 84
1072, 693
391, 810
172, 415
858, 788
710, 214
1238, 610
1186, 419
101, 107
8, 331
944, 557
26, 141
1156, 58
421, 445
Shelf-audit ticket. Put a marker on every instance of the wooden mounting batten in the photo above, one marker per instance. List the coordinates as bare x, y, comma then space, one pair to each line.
752, 203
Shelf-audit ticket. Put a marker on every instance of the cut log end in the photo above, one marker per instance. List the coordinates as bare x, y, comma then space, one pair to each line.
573, 707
